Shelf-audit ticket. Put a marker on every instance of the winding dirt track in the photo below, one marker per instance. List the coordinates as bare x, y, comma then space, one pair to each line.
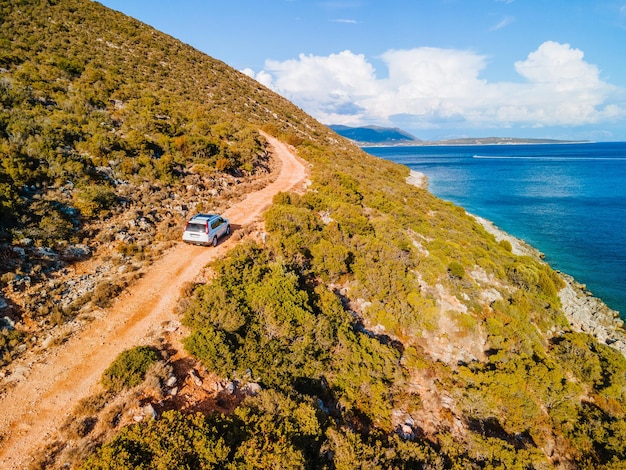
35, 408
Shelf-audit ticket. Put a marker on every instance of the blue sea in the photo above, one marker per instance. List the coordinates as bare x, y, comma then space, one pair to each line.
567, 200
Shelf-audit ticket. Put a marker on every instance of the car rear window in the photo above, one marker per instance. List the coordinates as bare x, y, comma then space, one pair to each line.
196, 227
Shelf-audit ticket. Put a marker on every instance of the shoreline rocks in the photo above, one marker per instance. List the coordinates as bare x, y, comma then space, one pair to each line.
584, 312
588, 314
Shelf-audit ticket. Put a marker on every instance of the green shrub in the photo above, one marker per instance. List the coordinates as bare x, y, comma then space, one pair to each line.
175, 441
506, 245
331, 259
361, 372
92, 200
212, 347
535, 278
71, 66
55, 227
9, 341
277, 432
456, 270
350, 450
129, 368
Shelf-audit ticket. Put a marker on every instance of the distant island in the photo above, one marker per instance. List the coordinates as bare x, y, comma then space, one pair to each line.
375, 136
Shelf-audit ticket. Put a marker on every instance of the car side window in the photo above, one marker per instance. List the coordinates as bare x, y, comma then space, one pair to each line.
216, 223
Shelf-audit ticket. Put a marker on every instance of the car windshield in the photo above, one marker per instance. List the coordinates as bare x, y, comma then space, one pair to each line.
196, 227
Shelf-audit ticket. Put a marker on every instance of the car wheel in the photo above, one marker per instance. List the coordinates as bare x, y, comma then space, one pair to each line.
214, 241
228, 229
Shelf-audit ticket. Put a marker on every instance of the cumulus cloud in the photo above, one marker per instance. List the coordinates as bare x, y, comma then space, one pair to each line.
432, 87
562, 88
324, 86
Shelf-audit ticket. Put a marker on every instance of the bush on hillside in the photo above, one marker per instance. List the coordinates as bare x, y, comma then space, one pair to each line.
129, 368
506, 245
456, 270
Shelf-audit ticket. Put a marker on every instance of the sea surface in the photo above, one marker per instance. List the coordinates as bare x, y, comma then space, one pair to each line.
567, 200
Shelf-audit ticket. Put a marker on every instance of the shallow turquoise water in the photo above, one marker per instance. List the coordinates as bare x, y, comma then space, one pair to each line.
567, 200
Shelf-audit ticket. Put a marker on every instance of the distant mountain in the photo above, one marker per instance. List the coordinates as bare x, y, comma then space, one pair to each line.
387, 136
375, 134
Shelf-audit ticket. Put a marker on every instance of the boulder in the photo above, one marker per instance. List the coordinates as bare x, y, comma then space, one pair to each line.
7, 323
76, 252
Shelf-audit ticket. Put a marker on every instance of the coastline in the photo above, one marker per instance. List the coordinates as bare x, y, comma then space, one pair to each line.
584, 312
468, 143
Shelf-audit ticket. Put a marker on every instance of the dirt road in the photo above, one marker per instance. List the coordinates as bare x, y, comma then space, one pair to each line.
35, 408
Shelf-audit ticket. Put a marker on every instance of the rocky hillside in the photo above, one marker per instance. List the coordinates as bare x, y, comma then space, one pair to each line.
371, 326
107, 144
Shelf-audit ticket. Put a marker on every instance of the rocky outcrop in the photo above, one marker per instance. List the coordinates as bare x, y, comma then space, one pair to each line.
417, 179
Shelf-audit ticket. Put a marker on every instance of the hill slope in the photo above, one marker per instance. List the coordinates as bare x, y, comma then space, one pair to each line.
371, 325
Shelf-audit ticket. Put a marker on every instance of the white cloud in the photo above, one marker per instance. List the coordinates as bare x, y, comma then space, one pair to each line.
504, 22
323, 86
262, 77
432, 87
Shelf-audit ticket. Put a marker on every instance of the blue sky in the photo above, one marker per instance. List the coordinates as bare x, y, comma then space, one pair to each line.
436, 68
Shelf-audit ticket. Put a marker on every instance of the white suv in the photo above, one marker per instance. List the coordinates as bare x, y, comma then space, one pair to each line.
205, 229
